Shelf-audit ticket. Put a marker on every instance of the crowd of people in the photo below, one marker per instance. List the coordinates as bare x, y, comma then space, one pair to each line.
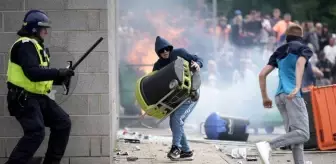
234, 49
253, 37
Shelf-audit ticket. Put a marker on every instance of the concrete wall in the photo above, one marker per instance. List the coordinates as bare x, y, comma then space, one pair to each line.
76, 24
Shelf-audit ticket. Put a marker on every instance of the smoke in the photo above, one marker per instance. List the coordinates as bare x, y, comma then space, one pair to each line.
167, 18
159, 17
241, 100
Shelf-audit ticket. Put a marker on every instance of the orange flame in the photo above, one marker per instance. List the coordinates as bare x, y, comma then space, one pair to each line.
143, 53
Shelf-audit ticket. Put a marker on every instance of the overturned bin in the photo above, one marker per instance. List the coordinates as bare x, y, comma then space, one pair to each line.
220, 127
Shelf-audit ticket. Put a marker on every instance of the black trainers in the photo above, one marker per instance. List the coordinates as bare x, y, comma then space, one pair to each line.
186, 155
174, 153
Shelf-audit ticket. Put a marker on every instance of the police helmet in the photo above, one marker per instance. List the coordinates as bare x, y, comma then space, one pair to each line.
34, 20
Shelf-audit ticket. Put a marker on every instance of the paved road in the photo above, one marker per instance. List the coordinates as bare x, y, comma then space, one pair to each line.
154, 150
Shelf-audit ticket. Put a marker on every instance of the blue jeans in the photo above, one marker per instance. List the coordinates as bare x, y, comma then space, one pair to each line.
176, 123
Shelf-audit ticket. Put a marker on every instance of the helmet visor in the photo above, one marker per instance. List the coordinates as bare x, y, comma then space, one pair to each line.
44, 24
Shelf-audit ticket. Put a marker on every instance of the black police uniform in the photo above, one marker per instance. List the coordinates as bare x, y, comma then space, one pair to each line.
37, 111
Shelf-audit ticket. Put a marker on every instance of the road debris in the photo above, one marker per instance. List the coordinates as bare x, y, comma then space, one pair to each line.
239, 153
122, 153
219, 148
132, 141
132, 158
136, 148
128, 136
251, 158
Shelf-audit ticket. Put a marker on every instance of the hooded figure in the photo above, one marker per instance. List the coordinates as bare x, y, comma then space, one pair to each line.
167, 54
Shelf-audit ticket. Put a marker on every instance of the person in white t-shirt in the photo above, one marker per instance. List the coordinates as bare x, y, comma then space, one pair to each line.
245, 74
330, 50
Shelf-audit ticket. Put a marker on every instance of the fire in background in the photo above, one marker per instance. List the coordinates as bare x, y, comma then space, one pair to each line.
139, 25
182, 27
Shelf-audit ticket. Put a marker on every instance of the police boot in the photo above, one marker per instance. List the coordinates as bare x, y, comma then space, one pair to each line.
49, 161
35, 160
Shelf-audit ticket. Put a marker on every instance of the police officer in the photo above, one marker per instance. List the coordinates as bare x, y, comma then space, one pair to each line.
29, 80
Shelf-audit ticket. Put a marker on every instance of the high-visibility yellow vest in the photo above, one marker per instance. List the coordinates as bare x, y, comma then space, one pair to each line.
16, 76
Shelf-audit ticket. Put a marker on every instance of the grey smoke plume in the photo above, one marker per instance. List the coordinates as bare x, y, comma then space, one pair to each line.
241, 99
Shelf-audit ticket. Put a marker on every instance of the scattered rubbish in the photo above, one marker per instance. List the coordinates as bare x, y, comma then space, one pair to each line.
288, 160
164, 144
238, 153
240, 162
137, 148
122, 153
219, 149
132, 158
308, 162
251, 159
132, 137
125, 130
131, 140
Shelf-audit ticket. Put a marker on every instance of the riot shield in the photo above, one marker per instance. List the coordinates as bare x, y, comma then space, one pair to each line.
59, 58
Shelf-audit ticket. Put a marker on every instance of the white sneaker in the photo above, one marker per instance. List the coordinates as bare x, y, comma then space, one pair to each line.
264, 150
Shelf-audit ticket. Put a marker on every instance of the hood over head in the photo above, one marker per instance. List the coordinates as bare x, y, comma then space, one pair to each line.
161, 43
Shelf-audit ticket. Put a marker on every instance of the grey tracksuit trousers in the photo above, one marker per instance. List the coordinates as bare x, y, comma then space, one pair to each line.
296, 122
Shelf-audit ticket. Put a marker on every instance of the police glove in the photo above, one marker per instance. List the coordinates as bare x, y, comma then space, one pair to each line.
65, 72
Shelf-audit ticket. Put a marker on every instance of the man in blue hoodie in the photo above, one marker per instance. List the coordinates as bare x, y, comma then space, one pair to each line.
167, 54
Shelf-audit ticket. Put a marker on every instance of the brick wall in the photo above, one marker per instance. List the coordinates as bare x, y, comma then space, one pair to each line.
76, 24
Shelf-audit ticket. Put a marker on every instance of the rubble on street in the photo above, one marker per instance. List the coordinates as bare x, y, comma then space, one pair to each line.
154, 145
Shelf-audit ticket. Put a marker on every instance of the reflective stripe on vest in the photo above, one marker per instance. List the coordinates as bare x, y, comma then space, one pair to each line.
16, 76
